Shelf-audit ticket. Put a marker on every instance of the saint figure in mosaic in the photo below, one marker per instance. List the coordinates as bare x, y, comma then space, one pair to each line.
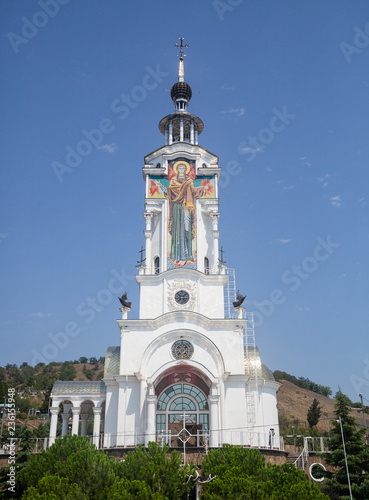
182, 196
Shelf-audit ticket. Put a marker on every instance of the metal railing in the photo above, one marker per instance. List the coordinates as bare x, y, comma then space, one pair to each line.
315, 444
302, 459
176, 440
200, 439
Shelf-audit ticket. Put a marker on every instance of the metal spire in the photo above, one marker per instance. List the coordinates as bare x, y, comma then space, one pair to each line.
181, 54
181, 63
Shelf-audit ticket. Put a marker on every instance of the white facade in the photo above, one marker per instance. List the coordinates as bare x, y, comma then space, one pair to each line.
183, 371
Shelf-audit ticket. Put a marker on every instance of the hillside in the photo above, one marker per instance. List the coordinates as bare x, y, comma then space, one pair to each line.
294, 402
33, 384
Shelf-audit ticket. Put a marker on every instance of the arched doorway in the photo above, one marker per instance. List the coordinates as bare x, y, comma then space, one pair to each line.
182, 411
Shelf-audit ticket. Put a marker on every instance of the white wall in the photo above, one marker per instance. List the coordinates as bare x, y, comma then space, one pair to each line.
111, 414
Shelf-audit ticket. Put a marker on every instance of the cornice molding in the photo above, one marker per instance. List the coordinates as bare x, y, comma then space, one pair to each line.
180, 317
171, 274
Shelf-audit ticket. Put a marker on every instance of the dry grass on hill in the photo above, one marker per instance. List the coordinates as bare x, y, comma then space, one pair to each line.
294, 402
79, 370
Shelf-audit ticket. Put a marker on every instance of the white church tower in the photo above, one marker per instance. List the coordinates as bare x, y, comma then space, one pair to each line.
185, 370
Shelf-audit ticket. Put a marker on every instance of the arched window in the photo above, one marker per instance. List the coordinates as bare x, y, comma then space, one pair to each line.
156, 265
206, 266
182, 406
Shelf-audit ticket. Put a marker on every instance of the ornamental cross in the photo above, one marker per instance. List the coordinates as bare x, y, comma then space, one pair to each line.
181, 54
142, 258
221, 260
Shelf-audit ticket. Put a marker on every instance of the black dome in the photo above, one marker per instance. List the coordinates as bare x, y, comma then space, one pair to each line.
181, 90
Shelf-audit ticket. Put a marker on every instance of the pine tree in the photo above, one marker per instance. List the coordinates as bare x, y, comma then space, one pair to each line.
23, 453
81, 467
336, 483
314, 413
241, 473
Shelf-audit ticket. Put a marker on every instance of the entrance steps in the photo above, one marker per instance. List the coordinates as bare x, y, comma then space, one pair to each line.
292, 458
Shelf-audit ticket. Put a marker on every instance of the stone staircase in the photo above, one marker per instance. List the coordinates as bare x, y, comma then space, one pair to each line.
292, 457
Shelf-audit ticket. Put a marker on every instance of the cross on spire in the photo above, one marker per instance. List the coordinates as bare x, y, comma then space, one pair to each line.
181, 47
141, 257
221, 260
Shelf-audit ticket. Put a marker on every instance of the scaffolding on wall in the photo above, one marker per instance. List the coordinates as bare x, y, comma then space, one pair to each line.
230, 293
250, 350
249, 346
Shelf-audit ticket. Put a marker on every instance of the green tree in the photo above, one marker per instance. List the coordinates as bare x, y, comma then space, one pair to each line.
303, 382
42, 430
72, 458
13, 374
161, 472
3, 390
25, 442
314, 413
22, 404
88, 373
83, 359
67, 372
357, 453
241, 473
27, 373
54, 488
9, 367
43, 380
132, 490
44, 408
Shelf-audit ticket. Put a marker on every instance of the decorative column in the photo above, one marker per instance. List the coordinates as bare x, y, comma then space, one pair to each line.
147, 177
75, 419
181, 129
240, 313
151, 401
84, 418
148, 236
97, 421
170, 132
192, 132
65, 417
54, 410
141, 269
215, 234
196, 136
124, 310
166, 136
214, 418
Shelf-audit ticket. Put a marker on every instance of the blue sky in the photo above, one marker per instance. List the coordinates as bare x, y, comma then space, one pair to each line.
282, 88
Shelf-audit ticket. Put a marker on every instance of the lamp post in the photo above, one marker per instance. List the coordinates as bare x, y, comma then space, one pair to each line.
344, 450
183, 436
294, 438
2, 419
366, 430
200, 480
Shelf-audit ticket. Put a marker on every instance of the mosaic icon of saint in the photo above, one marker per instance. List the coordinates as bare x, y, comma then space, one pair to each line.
182, 196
